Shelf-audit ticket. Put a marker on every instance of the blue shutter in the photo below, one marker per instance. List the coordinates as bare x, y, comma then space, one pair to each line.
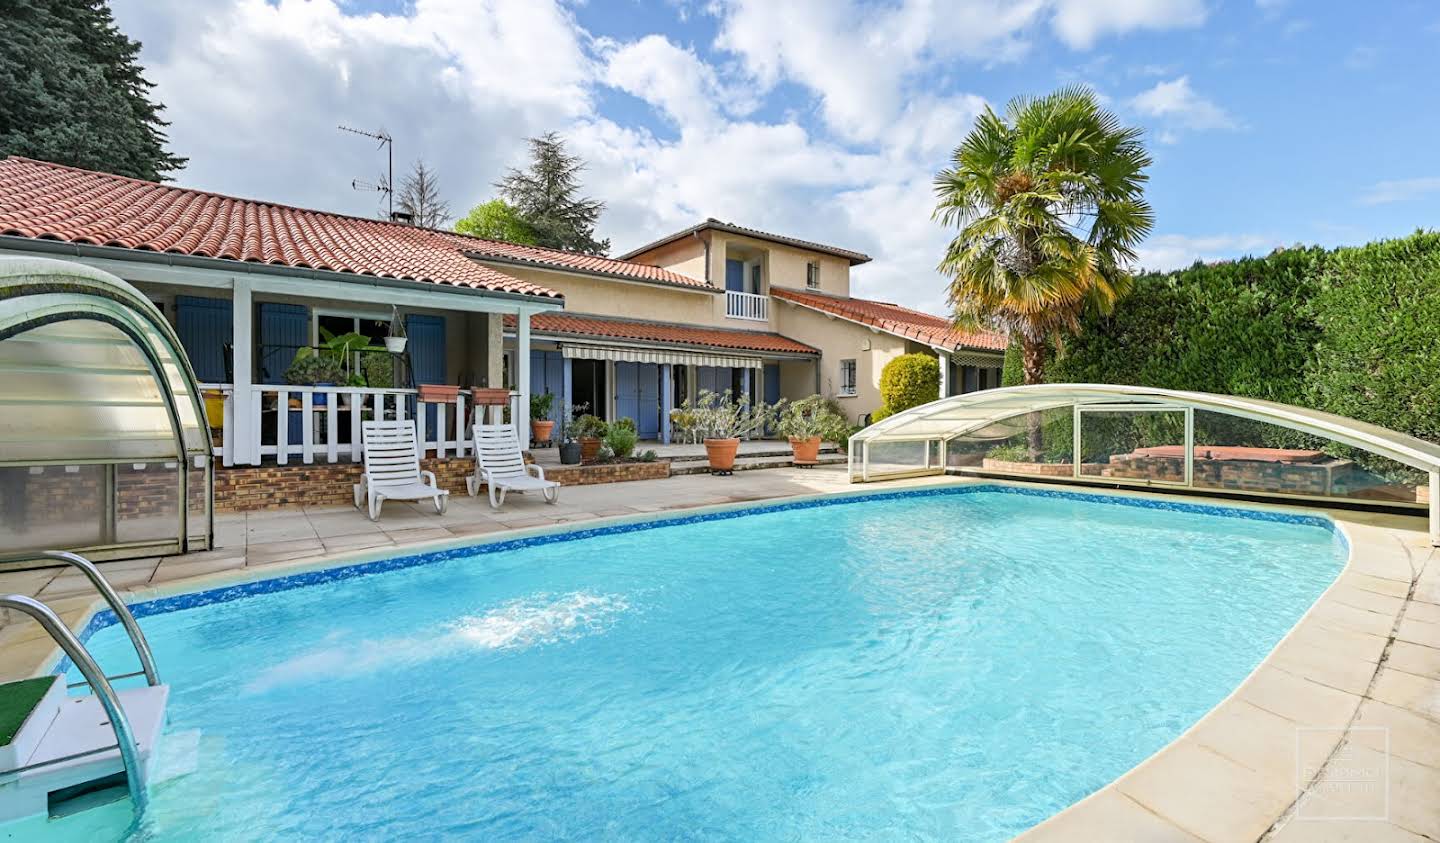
772, 383
647, 417
735, 276
627, 390
547, 374
284, 330
205, 326
426, 347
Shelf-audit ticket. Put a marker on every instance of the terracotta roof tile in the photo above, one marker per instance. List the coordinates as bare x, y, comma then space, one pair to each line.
54, 202
716, 225
894, 319
574, 261
660, 332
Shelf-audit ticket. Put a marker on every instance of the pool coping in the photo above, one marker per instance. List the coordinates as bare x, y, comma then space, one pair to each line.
1221, 779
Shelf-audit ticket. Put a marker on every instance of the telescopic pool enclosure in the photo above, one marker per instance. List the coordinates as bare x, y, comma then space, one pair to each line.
103, 440
1119, 435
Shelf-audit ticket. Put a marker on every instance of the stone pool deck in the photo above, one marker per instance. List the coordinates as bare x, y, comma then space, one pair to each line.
1334, 737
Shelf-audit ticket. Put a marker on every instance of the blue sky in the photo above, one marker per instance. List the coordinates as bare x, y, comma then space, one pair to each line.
1271, 121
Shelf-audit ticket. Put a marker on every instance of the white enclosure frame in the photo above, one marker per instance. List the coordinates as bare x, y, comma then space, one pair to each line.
961, 415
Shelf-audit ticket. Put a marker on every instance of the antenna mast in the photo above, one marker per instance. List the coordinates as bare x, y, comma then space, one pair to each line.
388, 188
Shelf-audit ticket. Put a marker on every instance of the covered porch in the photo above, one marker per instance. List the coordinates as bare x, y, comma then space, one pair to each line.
243, 332
591, 363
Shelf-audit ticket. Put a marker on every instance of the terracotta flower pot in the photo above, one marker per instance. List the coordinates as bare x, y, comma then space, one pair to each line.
721, 453
589, 448
489, 396
806, 450
541, 429
437, 392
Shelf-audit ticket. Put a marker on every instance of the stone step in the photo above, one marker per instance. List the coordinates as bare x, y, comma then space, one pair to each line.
752, 463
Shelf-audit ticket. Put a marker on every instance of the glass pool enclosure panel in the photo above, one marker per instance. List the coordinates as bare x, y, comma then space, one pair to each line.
102, 448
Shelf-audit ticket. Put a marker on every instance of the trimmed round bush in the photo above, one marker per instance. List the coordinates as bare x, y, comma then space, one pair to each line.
621, 440
909, 381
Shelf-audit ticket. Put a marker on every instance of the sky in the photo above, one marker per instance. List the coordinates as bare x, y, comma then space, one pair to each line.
1271, 122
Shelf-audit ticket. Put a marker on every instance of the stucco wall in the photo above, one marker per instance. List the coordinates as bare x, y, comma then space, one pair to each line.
685, 256
838, 340
628, 300
785, 265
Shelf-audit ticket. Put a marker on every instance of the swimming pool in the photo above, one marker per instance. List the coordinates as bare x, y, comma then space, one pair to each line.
956, 663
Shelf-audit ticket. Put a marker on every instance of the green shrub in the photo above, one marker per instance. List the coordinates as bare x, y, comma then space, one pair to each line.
310, 369
540, 404
909, 381
879, 414
621, 440
1378, 355
625, 422
589, 427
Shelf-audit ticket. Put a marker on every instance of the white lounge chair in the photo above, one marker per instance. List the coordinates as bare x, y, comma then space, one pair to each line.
392, 468
500, 465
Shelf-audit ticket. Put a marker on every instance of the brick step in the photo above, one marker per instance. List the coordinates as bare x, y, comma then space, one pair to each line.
780, 450
752, 463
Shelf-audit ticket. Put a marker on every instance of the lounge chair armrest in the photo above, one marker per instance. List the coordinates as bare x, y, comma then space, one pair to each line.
535, 470
430, 475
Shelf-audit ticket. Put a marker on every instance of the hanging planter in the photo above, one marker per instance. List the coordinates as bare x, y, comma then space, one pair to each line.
395, 345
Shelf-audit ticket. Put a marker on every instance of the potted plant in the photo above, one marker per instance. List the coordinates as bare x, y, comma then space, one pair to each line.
314, 369
395, 342
589, 430
541, 426
719, 422
569, 448
807, 423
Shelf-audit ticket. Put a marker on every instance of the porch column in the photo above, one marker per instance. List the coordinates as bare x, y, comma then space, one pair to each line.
522, 376
245, 437
745, 386
944, 374
667, 401
818, 360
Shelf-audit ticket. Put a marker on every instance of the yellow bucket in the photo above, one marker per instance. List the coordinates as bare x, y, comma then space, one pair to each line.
214, 407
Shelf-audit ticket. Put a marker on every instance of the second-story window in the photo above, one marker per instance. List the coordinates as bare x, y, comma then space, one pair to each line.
812, 276
847, 377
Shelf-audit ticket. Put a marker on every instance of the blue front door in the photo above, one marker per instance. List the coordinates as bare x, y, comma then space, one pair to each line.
637, 396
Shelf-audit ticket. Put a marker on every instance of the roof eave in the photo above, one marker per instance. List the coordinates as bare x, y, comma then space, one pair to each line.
481, 257
855, 258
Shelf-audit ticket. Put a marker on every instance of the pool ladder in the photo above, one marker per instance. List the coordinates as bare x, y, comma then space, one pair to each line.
94, 677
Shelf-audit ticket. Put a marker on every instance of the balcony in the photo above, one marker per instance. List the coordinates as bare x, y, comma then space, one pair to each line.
747, 306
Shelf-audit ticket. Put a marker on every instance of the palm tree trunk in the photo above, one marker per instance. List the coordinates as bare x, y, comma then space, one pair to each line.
1032, 357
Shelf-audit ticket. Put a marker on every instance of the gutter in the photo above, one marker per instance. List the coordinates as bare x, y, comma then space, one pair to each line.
17, 243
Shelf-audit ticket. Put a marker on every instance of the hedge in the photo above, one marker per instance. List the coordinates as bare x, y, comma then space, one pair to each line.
1354, 331
908, 381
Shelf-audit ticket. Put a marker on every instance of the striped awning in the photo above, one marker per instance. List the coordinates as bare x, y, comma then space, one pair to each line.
632, 354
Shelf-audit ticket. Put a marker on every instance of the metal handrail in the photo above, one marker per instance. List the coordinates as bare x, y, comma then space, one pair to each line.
122, 612
119, 723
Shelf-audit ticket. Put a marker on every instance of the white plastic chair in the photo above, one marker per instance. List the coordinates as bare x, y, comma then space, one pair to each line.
392, 468
500, 465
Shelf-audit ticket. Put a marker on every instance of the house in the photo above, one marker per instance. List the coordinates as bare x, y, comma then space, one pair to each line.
249, 283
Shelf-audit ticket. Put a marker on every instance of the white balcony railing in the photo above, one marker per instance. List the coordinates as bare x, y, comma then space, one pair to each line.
747, 306
322, 423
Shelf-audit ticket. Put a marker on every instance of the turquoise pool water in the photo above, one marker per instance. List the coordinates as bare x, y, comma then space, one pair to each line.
951, 666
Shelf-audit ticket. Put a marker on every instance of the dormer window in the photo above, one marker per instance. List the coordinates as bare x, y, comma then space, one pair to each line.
812, 276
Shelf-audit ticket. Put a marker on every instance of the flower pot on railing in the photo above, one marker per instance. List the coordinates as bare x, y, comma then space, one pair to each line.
437, 392
806, 451
589, 448
721, 454
395, 345
485, 396
541, 430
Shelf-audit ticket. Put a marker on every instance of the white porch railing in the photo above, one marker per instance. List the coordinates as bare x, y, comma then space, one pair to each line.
747, 306
325, 426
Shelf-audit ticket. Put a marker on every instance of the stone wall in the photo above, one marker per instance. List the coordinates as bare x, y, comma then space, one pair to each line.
245, 488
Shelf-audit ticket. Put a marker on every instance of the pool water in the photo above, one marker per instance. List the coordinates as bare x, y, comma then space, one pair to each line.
935, 666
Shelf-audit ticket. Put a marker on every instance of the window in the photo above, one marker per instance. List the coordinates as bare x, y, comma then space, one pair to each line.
755, 278
847, 377
812, 276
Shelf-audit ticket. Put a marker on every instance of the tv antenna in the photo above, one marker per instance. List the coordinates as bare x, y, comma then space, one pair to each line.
387, 187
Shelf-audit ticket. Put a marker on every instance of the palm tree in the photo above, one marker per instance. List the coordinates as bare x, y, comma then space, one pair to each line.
1049, 200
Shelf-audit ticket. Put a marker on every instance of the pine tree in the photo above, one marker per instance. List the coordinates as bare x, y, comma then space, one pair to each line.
419, 196
72, 91
545, 198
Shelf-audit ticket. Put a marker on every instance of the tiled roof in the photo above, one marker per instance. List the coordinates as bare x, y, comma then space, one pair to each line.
661, 332
54, 202
894, 319
717, 225
575, 262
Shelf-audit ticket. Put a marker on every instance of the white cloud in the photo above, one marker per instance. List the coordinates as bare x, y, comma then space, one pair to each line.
1080, 23
671, 78
1176, 251
1400, 190
1177, 104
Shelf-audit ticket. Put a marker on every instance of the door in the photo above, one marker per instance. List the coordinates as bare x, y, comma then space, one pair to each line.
637, 396
205, 327
735, 276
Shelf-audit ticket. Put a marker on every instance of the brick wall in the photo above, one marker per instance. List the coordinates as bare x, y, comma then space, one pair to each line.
58, 496
244, 488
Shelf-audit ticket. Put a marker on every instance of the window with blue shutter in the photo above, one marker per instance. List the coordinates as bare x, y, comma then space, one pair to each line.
205, 327
284, 330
